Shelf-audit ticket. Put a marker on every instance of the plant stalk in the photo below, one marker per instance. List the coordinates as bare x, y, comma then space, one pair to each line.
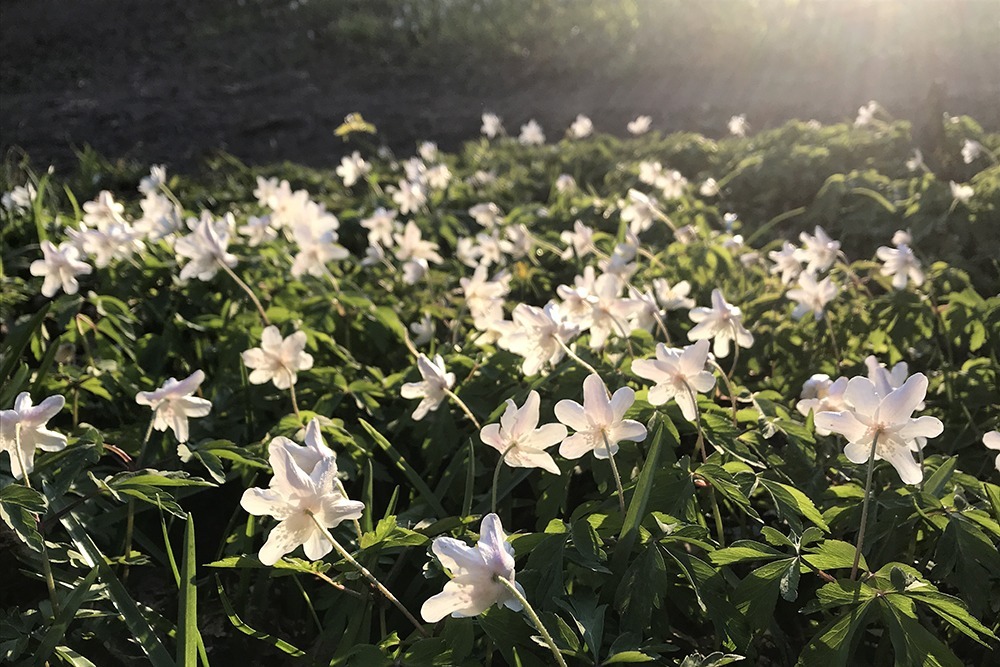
864, 509
529, 610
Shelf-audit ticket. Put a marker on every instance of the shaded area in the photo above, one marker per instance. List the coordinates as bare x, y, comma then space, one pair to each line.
268, 81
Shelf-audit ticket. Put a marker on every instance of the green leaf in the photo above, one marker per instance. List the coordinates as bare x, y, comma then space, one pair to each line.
23, 496
911, 641
954, 612
67, 613
187, 613
791, 502
16, 339
742, 551
833, 555
142, 632
628, 658
240, 625
831, 647
412, 475
717, 659
23, 523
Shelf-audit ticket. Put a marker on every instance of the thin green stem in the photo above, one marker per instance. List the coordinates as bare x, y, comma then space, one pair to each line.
729, 388
50, 582
614, 471
295, 402
496, 477
530, 611
369, 576
717, 513
864, 509
573, 355
465, 408
246, 288
833, 338
145, 440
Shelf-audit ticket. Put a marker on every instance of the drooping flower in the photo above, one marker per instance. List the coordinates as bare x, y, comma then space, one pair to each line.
432, 388
640, 125
352, 167
299, 498
409, 196
866, 114
520, 440
900, 263
258, 230
24, 428
639, 211
786, 262
428, 151
738, 125
992, 441
415, 253
278, 359
917, 161
821, 394
819, 252
536, 336
581, 128
579, 242
174, 402
60, 266
156, 179
205, 248
492, 125
710, 188
887, 417
531, 134
971, 150
812, 295
677, 374
381, 225
723, 322
103, 210
20, 198
422, 330
673, 297
473, 587
487, 214
961, 192
599, 423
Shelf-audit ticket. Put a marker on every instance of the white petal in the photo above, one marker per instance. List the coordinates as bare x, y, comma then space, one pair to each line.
285, 537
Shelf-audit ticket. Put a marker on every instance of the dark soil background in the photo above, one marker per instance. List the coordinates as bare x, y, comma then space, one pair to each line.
178, 80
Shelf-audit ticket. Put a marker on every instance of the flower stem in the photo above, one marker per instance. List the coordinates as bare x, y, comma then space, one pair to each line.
50, 582
145, 440
833, 338
295, 402
465, 408
864, 509
573, 355
496, 477
717, 513
729, 388
529, 610
369, 576
246, 288
614, 471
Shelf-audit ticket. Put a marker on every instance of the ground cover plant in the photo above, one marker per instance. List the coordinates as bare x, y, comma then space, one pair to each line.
584, 400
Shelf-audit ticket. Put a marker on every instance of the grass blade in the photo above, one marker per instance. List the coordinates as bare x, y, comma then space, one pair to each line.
70, 605
240, 625
187, 616
412, 475
137, 624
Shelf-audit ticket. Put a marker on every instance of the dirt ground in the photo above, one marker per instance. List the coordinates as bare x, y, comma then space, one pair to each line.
175, 81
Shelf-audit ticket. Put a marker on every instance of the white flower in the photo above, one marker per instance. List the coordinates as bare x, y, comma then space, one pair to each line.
709, 188
812, 295
786, 262
492, 125
971, 150
565, 183
174, 402
415, 253
428, 151
673, 297
738, 125
639, 212
352, 167
866, 114
901, 264
381, 225
258, 230
671, 184
473, 587
438, 177
423, 330
317, 243
156, 179
114, 240
640, 125
992, 441
409, 197
886, 380
299, 497
488, 215
205, 248
278, 359
519, 438
531, 134
536, 336
961, 192
432, 389
599, 423
819, 252
821, 394
25, 426
102, 211
677, 374
917, 161
608, 311
60, 266
518, 242
20, 198
723, 322
579, 242
870, 415
650, 172
686, 235
582, 127
484, 297
160, 217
